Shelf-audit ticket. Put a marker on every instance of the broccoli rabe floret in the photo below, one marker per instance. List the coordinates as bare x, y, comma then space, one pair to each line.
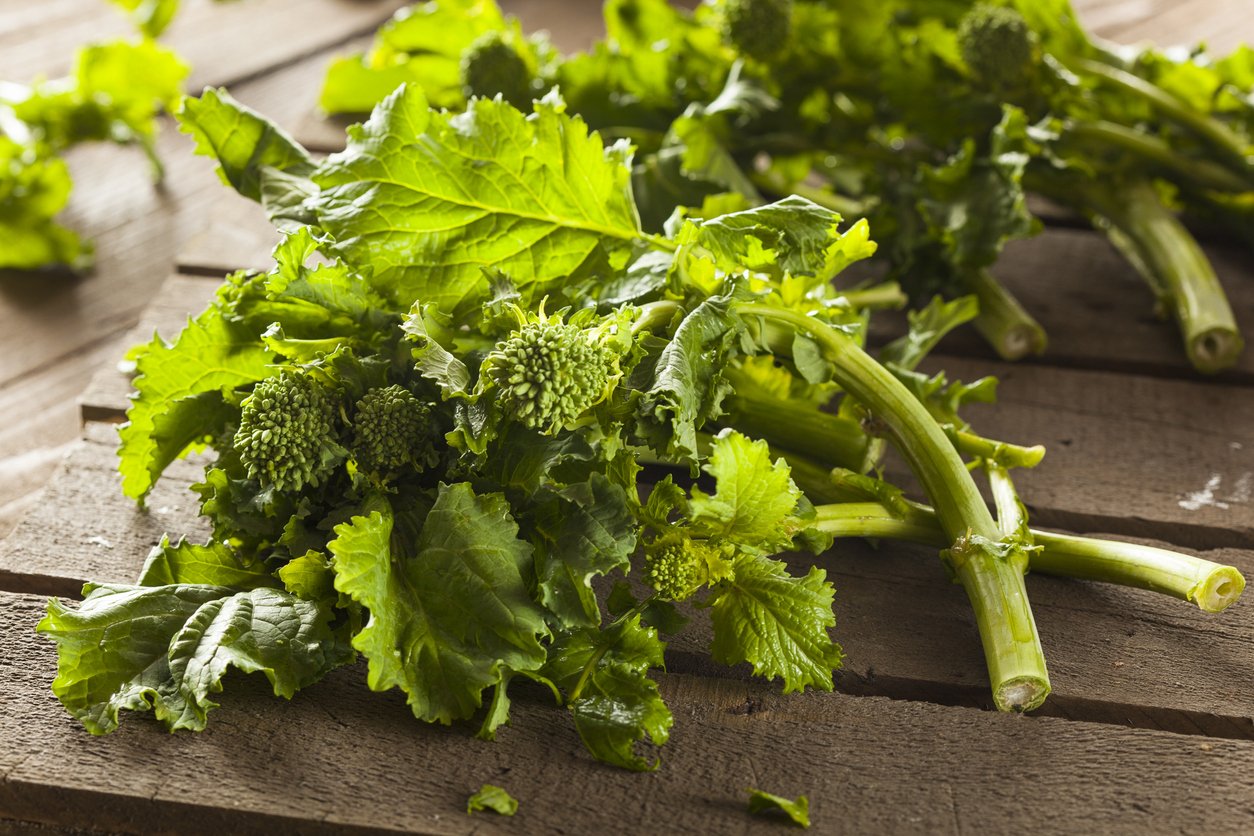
287, 436
549, 373
998, 46
757, 28
675, 565
392, 428
492, 65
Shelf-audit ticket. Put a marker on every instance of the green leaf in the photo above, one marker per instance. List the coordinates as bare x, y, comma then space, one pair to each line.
794, 236
688, 387
614, 703
33, 189
213, 564
166, 648
764, 802
151, 16
491, 797
452, 618
777, 623
421, 44
582, 531
426, 199
928, 326
754, 498
179, 390
244, 143
309, 577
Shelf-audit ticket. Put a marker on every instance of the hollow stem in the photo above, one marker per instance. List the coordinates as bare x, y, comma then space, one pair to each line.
1003, 321
1166, 254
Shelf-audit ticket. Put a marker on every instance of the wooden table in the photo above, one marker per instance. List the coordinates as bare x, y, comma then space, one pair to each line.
1150, 729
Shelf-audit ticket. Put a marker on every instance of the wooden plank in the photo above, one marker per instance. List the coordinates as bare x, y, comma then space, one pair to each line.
1132, 455
60, 330
1099, 313
225, 43
83, 528
340, 759
107, 396
1117, 655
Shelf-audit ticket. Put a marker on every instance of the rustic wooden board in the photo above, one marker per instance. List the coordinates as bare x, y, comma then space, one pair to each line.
1133, 455
1117, 655
339, 759
1098, 312
225, 43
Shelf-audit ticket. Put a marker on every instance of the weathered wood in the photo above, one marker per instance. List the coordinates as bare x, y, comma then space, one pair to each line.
84, 529
1098, 312
225, 43
58, 331
107, 396
1133, 455
340, 759
1117, 655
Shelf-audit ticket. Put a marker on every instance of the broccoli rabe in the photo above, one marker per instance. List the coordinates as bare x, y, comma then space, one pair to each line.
492, 65
998, 46
287, 436
392, 429
675, 565
550, 372
757, 28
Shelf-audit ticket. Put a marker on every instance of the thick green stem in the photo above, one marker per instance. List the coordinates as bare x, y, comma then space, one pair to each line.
846, 207
885, 295
990, 570
1226, 141
1201, 174
1008, 327
789, 423
1155, 242
1211, 586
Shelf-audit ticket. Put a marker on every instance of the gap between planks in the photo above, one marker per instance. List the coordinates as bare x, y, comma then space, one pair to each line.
1118, 656
867, 764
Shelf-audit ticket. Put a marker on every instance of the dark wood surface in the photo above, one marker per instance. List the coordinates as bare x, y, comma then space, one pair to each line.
1151, 725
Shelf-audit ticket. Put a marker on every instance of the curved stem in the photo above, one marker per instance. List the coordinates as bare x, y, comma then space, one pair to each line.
1202, 174
990, 570
1213, 131
1159, 246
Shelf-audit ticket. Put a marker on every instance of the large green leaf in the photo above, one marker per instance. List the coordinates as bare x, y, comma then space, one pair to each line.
425, 200
178, 394
166, 648
754, 499
777, 623
454, 617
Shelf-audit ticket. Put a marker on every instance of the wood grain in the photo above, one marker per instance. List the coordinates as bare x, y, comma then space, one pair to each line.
340, 759
1117, 655
225, 43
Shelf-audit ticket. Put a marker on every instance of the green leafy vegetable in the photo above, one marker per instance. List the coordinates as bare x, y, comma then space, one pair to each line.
494, 798
798, 810
428, 424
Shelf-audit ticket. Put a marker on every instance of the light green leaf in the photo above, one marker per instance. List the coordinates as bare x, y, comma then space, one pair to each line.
166, 648
178, 386
243, 142
150, 16
754, 497
213, 564
777, 623
426, 200
451, 619
494, 798
797, 810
